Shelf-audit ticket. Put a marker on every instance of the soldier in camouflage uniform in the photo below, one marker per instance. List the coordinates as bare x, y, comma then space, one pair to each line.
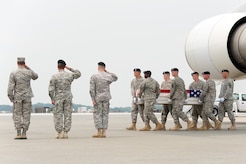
166, 85
226, 99
177, 96
151, 91
136, 107
61, 97
20, 94
208, 97
100, 96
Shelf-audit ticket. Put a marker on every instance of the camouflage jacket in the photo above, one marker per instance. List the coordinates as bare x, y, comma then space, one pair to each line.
178, 89
196, 85
208, 91
226, 89
135, 85
150, 88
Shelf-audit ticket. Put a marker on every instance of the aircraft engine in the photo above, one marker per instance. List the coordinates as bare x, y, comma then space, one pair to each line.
218, 43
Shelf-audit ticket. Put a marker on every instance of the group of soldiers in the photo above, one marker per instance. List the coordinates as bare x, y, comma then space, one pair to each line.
20, 94
148, 90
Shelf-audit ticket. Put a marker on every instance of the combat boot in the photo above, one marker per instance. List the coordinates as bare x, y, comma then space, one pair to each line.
103, 133
23, 136
176, 127
163, 127
132, 127
209, 125
18, 136
204, 126
194, 127
158, 126
98, 135
233, 127
217, 125
149, 126
189, 124
145, 128
59, 135
179, 125
65, 136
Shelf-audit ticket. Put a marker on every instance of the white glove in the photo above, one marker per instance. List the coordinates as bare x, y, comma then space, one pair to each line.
185, 101
199, 101
169, 100
222, 99
139, 99
134, 100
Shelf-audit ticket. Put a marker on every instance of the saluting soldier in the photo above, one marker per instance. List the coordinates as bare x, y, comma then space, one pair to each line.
20, 94
61, 97
226, 99
100, 96
136, 107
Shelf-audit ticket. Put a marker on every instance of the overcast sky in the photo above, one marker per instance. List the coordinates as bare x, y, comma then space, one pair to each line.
148, 34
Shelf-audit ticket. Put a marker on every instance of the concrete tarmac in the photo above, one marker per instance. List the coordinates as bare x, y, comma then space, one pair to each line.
121, 146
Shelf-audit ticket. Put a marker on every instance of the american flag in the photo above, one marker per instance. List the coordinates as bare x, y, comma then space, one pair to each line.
195, 93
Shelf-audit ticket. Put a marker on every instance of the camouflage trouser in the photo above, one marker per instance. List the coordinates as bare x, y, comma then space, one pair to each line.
196, 112
149, 111
22, 114
100, 114
63, 115
226, 106
207, 111
137, 108
165, 110
177, 111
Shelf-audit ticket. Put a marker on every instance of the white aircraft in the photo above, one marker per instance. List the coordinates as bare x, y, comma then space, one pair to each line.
219, 43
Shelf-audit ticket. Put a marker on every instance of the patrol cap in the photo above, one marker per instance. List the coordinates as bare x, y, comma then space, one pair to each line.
206, 73
137, 70
194, 73
225, 70
21, 59
101, 64
61, 62
174, 69
147, 72
166, 72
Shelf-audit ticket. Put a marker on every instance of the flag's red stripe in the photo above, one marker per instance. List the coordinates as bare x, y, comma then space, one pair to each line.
168, 91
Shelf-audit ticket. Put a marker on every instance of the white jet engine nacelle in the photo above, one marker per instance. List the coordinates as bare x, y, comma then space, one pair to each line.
218, 43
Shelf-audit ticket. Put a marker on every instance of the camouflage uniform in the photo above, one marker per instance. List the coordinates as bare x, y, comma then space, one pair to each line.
100, 93
151, 90
178, 95
135, 84
208, 97
166, 107
226, 92
60, 93
196, 109
20, 93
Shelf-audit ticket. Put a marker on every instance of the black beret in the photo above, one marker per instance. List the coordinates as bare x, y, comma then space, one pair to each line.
166, 72
194, 73
174, 69
225, 70
137, 70
101, 64
206, 73
147, 72
61, 62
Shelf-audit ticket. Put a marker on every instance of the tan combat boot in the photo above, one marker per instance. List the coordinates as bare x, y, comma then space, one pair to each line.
145, 128
23, 135
163, 127
65, 136
194, 127
103, 133
233, 127
209, 125
179, 125
217, 125
158, 126
189, 124
59, 135
98, 135
204, 126
132, 127
149, 126
18, 136
176, 127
